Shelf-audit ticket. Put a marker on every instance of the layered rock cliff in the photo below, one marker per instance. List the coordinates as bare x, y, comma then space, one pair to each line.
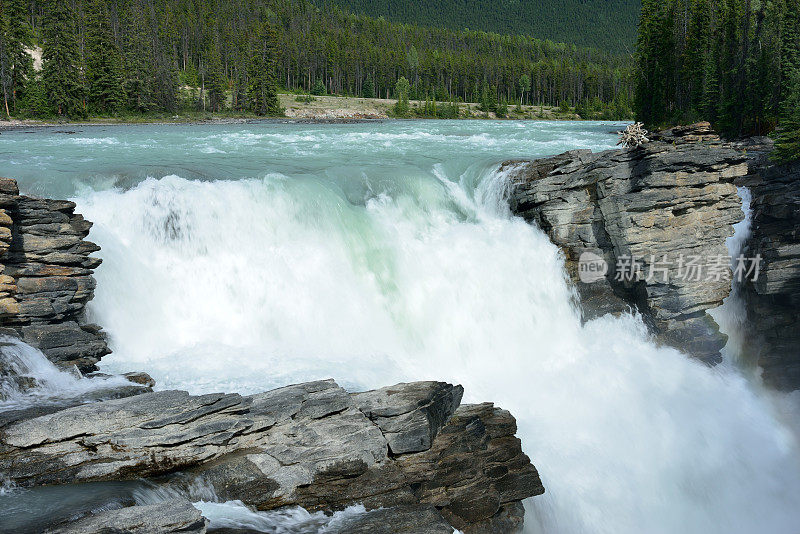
410, 450
772, 297
656, 216
46, 278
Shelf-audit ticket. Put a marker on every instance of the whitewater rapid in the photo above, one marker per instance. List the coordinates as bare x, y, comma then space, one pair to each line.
372, 273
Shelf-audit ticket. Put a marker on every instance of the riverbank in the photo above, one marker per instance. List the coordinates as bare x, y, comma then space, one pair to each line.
313, 109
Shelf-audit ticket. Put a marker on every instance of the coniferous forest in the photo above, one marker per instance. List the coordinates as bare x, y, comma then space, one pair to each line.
731, 62
112, 56
608, 25
735, 63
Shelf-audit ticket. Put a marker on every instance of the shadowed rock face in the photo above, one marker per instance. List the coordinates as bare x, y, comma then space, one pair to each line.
312, 445
46, 278
773, 299
673, 200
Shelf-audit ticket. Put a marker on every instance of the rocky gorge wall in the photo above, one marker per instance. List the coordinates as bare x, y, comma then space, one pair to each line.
773, 298
46, 278
655, 217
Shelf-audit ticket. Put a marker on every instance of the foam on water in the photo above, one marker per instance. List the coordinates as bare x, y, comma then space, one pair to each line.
236, 515
374, 265
295, 520
48, 383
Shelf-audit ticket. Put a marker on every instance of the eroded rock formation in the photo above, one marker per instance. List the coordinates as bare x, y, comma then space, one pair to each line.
312, 445
657, 215
46, 278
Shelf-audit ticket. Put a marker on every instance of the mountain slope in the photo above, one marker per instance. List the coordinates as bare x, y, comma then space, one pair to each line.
608, 25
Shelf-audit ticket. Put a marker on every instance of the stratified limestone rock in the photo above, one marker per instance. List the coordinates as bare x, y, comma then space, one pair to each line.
163, 518
475, 472
658, 208
773, 298
46, 277
306, 445
410, 415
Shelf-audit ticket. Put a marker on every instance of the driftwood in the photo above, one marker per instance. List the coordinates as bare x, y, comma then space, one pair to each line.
633, 136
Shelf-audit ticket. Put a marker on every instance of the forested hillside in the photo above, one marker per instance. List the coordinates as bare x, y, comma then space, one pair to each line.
103, 56
604, 24
735, 63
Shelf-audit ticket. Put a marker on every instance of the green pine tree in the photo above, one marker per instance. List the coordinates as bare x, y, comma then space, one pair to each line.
263, 89
34, 102
524, 84
401, 91
502, 108
697, 56
655, 65
787, 139
368, 90
216, 83
16, 64
103, 62
62, 69
319, 88
136, 56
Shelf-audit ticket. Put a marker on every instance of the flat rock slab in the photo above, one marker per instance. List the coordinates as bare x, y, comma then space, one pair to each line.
420, 519
312, 445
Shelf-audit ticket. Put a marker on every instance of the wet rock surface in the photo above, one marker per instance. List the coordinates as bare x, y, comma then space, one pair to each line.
646, 213
46, 278
312, 445
163, 518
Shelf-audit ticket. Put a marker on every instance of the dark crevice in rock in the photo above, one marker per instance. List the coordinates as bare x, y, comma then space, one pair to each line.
773, 299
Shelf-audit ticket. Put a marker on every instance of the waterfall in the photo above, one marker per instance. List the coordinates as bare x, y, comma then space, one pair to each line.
251, 284
241, 258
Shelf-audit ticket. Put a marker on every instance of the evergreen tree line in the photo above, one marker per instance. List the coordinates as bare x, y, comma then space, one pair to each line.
111, 56
344, 52
608, 25
735, 63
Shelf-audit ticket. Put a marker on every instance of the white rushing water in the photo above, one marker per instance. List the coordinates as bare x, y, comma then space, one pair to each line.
237, 516
28, 378
373, 273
